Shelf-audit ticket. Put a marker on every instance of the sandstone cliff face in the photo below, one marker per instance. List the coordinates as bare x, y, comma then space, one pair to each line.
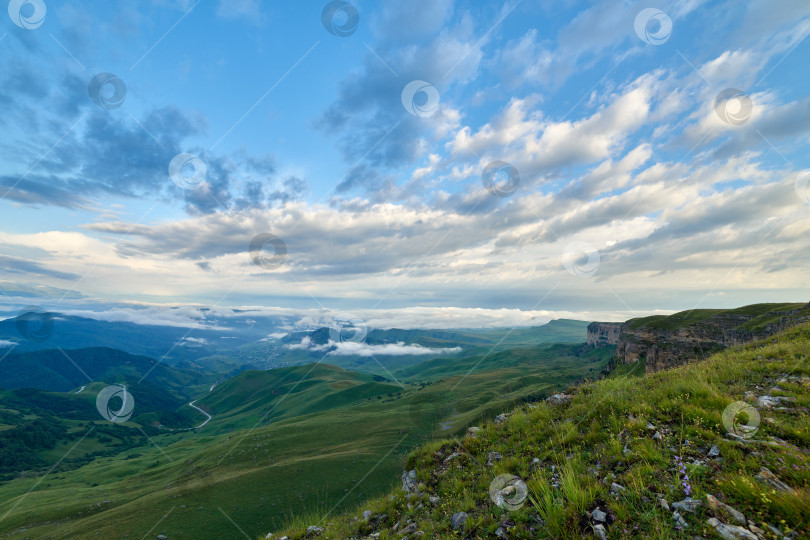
601, 334
664, 348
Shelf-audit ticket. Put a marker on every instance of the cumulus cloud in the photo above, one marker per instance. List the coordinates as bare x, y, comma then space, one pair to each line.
350, 348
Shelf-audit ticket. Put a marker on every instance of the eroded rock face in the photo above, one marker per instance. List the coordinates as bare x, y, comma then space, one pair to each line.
601, 334
664, 348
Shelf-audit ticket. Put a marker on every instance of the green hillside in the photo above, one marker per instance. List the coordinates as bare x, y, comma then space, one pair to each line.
761, 315
603, 462
323, 447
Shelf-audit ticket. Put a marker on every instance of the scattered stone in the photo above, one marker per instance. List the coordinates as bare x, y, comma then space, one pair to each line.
664, 504
714, 451
626, 451
409, 481
408, 529
559, 399
599, 532
772, 480
501, 418
493, 457
723, 510
458, 520
616, 488
679, 520
162, 537
314, 530
451, 457
658, 436
687, 505
768, 402
598, 515
500, 532
367, 514
650, 426
473, 431
756, 530
731, 532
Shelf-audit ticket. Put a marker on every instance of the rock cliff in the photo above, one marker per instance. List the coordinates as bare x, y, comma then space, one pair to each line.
664, 342
603, 333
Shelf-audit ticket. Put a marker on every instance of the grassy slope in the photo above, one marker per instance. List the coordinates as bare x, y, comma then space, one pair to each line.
585, 441
763, 314
266, 477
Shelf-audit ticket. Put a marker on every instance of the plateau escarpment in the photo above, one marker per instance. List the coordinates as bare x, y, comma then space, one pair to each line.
604, 333
667, 341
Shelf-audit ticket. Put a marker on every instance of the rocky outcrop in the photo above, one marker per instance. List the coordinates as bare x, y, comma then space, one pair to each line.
662, 347
601, 334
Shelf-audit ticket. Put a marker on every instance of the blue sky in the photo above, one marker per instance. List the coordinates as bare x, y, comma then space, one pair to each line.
640, 186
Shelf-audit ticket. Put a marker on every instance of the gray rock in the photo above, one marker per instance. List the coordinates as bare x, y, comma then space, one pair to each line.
559, 399
598, 515
501, 418
650, 426
599, 532
473, 431
767, 402
162, 537
714, 451
664, 504
772, 480
493, 457
500, 532
367, 514
658, 436
409, 481
687, 505
679, 520
626, 451
451, 457
721, 510
616, 488
314, 530
458, 520
731, 532
408, 529
434, 500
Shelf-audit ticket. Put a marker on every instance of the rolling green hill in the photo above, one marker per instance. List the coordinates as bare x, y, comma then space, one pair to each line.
752, 317
64, 370
336, 440
658, 456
